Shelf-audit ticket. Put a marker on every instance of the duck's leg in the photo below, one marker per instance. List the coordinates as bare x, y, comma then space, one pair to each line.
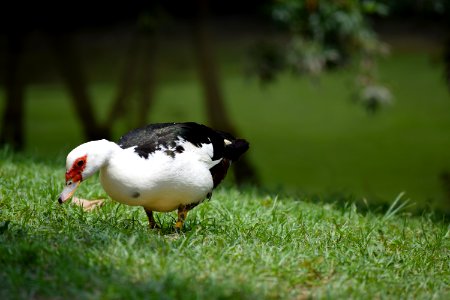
182, 214
151, 221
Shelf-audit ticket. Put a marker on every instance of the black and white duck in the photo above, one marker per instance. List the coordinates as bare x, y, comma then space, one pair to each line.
161, 167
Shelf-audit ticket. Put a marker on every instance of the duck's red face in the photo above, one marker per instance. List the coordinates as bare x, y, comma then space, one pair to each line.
74, 176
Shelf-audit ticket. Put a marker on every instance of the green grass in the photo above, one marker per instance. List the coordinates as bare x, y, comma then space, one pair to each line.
243, 244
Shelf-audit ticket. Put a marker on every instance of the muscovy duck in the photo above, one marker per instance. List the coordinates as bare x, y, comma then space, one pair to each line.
161, 167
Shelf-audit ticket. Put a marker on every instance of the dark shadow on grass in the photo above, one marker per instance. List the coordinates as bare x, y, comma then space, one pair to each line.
343, 201
69, 264
376, 206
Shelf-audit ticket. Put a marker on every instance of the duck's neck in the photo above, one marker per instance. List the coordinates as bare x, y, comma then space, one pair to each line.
101, 153
105, 150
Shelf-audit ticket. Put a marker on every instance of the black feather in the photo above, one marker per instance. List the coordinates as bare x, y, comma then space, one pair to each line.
234, 150
156, 137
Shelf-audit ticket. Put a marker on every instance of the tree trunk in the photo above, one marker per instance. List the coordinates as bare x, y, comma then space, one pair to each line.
147, 81
125, 85
215, 107
447, 61
13, 116
69, 65
209, 76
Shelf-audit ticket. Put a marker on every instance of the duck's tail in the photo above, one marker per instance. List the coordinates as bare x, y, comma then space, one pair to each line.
235, 148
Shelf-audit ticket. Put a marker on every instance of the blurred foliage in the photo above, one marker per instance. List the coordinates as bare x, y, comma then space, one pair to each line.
324, 35
422, 7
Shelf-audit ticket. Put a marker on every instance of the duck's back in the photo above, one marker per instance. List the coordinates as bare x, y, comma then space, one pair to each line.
159, 136
169, 155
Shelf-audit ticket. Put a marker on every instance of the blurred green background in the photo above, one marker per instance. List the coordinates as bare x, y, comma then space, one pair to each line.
308, 135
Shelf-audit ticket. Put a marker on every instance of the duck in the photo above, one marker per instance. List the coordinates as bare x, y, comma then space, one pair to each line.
162, 167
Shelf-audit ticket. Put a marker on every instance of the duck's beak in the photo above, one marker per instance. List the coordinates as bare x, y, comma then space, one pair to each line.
68, 191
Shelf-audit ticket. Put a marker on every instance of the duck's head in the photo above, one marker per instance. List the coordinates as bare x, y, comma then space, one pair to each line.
82, 162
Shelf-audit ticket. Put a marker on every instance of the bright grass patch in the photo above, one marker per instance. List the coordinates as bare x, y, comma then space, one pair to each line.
243, 244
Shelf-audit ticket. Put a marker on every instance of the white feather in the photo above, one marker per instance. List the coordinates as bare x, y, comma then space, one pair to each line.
159, 182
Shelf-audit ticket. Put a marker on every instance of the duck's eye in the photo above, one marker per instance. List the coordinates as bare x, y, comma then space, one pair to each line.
80, 163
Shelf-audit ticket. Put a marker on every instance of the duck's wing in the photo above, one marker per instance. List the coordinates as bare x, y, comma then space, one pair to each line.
149, 139
170, 136
218, 149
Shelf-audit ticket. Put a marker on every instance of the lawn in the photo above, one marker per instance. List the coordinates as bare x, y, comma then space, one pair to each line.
243, 244
308, 138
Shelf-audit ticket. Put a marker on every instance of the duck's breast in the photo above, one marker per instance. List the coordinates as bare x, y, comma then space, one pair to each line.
159, 182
